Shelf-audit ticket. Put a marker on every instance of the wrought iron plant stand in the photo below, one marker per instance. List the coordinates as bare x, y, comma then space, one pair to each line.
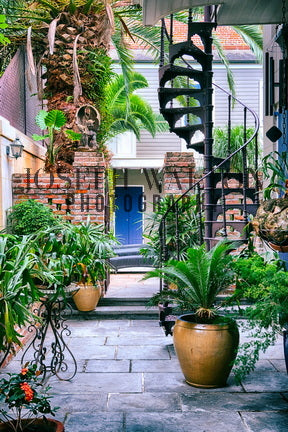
50, 351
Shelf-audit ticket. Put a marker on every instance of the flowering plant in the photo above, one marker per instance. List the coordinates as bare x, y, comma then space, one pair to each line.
20, 393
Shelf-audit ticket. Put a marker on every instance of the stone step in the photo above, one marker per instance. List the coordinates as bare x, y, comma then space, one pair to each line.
121, 312
118, 301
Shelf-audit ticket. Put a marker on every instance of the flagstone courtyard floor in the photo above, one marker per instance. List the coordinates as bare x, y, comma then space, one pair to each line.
129, 380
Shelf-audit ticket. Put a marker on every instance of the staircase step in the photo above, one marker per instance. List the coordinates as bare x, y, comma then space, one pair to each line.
198, 146
167, 94
172, 115
218, 209
250, 192
169, 72
216, 177
187, 132
188, 48
130, 261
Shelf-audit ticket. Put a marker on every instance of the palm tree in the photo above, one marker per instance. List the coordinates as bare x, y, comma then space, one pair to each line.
71, 40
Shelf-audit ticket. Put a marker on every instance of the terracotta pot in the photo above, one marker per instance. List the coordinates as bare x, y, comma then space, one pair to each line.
49, 425
278, 248
205, 351
86, 297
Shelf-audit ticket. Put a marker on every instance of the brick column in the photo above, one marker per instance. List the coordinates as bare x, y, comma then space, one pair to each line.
178, 172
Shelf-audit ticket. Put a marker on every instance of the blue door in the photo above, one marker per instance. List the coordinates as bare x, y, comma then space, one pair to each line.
128, 214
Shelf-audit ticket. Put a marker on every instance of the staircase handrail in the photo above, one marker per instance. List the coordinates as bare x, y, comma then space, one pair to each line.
255, 132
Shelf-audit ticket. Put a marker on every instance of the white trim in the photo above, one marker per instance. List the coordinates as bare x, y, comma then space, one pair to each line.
136, 163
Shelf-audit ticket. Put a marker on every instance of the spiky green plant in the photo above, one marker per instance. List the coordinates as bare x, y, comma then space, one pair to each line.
199, 279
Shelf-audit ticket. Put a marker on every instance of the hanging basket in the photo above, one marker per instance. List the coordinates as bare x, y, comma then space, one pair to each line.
271, 223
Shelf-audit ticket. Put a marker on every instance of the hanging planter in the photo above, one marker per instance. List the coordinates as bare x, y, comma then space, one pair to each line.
271, 223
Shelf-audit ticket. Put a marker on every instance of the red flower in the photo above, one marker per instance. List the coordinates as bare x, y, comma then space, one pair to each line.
29, 394
24, 371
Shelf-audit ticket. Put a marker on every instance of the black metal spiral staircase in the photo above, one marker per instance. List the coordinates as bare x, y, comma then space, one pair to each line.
181, 78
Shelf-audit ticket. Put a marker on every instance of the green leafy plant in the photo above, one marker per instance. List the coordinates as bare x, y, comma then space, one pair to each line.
222, 148
3, 39
264, 283
189, 227
23, 399
52, 121
79, 251
199, 279
17, 289
27, 217
275, 168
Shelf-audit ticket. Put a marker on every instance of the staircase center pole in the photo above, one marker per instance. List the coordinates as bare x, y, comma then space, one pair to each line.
208, 141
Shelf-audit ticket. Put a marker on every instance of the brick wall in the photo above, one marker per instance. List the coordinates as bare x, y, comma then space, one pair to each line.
74, 196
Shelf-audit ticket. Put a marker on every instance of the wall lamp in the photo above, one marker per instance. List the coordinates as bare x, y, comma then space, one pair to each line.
16, 148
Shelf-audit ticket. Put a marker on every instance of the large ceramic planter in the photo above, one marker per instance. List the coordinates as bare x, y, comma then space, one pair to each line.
39, 425
205, 351
86, 296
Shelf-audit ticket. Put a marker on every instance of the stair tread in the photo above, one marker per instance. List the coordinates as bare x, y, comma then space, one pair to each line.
184, 110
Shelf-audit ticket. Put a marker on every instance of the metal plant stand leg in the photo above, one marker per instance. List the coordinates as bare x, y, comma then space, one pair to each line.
52, 356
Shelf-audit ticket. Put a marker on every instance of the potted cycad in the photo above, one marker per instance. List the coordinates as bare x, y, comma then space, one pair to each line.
205, 341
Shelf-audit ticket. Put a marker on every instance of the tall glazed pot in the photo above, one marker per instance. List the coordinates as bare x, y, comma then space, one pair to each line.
205, 351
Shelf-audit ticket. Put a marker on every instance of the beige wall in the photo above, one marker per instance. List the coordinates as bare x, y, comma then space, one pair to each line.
33, 156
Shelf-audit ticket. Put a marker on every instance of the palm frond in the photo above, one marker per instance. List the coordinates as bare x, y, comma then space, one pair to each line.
225, 61
253, 36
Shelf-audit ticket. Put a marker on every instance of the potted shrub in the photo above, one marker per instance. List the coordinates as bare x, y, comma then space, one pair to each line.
271, 220
89, 247
25, 402
205, 341
29, 216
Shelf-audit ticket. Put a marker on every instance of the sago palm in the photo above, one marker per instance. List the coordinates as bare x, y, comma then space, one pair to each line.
199, 279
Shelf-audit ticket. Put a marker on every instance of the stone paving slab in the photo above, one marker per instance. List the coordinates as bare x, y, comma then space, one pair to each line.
79, 403
266, 382
175, 382
99, 383
134, 339
156, 366
98, 422
192, 422
266, 422
148, 402
206, 401
279, 365
77, 343
148, 352
85, 351
108, 366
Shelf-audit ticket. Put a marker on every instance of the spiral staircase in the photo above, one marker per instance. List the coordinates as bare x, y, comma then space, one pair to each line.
186, 102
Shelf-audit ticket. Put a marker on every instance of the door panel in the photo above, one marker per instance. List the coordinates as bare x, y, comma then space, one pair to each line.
128, 215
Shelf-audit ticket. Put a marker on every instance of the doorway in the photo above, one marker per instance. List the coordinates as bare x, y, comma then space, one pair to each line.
129, 214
